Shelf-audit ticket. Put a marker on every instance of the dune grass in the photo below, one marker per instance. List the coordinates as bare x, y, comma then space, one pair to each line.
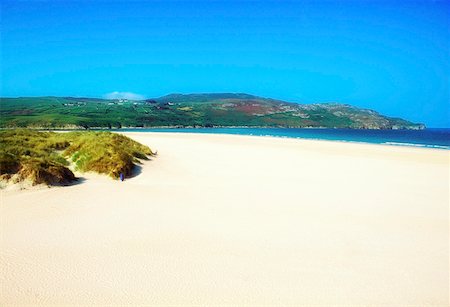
43, 157
104, 152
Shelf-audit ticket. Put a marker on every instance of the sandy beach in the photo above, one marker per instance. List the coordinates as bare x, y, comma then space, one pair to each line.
221, 220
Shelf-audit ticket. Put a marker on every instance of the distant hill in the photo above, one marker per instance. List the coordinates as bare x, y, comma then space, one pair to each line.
206, 97
191, 110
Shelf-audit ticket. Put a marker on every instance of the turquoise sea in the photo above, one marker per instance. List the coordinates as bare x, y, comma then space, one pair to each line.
433, 138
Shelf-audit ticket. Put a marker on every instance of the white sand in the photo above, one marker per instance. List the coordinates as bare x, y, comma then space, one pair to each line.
220, 220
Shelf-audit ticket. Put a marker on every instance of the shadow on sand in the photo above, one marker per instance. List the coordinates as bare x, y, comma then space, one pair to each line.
137, 169
77, 181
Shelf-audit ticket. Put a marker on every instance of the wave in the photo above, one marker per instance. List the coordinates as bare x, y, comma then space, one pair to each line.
417, 145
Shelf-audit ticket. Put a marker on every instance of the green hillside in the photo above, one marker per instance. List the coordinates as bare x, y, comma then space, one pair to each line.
193, 110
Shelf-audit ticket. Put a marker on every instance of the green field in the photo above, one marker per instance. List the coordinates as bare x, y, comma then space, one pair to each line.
195, 110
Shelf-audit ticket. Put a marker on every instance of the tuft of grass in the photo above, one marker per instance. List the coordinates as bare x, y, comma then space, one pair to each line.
42, 170
105, 152
41, 157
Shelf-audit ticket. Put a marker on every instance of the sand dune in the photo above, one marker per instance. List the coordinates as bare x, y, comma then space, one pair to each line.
218, 220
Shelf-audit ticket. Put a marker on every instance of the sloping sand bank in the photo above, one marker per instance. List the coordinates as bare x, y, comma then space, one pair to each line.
220, 220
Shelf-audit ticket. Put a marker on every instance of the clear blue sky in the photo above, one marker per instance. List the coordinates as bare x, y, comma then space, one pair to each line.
391, 56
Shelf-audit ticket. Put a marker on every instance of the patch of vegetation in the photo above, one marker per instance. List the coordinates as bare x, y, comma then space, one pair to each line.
105, 152
41, 157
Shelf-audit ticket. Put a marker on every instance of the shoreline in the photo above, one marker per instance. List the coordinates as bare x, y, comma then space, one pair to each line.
80, 128
386, 142
236, 220
389, 144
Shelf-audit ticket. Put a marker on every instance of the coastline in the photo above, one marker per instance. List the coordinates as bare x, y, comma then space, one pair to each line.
387, 143
81, 128
237, 220
438, 138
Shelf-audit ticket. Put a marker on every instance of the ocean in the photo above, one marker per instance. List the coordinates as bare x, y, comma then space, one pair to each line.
431, 138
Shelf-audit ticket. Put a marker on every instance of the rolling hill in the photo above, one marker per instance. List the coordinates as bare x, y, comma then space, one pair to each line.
188, 110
